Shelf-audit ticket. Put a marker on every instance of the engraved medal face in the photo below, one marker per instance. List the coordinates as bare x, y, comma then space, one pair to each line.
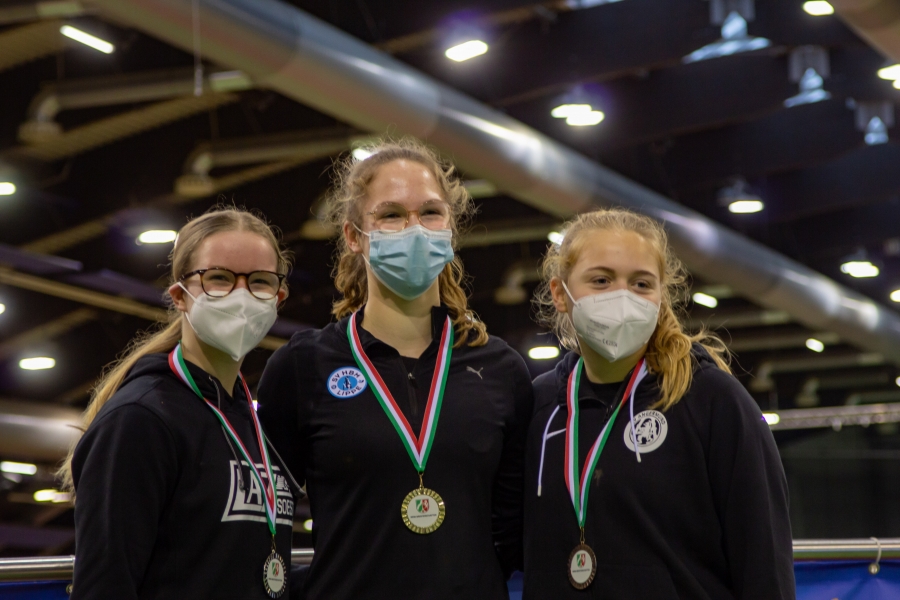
274, 576
422, 510
582, 566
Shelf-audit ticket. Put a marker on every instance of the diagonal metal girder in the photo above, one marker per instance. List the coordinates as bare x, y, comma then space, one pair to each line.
289, 51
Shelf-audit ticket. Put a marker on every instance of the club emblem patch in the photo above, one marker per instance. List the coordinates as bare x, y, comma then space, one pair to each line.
650, 429
346, 382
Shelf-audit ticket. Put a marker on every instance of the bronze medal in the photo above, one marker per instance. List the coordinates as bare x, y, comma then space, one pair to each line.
582, 566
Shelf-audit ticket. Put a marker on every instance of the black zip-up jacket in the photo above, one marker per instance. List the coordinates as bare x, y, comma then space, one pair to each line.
332, 432
160, 513
703, 516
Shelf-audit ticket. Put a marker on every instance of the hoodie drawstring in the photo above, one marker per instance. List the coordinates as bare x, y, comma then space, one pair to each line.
544, 447
637, 382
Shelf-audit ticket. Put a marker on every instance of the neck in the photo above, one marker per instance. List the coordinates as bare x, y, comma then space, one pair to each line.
212, 360
402, 324
600, 370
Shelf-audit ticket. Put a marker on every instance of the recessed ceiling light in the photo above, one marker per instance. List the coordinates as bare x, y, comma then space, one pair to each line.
51, 496
746, 207
361, 153
87, 39
466, 50
564, 111
771, 418
555, 237
157, 236
3, 308
891, 73
818, 8
37, 363
895, 296
7, 188
860, 268
585, 119
705, 300
308, 524
897, 381
8, 466
543, 352
815, 345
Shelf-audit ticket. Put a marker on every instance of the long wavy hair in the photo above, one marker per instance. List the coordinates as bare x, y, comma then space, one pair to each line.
166, 336
669, 349
344, 205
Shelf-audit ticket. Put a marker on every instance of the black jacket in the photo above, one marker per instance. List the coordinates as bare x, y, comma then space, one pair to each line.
159, 513
704, 515
357, 471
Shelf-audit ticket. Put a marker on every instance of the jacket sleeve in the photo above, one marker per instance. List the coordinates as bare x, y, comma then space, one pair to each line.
279, 408
125, 469
750, 492
508, 493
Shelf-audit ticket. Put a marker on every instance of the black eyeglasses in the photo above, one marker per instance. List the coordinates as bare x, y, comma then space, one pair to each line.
218, 282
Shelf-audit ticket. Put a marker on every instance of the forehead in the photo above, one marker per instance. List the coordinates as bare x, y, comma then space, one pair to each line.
239, 251
403, 181
619, 251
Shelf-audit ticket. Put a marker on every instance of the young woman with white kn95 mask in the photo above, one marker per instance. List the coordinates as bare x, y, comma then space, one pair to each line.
178, 495
405, 419
650, 472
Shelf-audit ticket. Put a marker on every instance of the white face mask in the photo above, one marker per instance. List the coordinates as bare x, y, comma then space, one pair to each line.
615, 324
235, 324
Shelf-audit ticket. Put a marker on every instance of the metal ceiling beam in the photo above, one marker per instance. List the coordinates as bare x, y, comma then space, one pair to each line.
46, 331
289, 51
36, 11
35, 431
876, 21
30, 42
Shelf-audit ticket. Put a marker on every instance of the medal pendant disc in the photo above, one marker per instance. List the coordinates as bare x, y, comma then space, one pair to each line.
582, 566
422, 510
274, 576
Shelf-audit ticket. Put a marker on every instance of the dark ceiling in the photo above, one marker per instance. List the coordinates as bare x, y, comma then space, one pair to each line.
684, 130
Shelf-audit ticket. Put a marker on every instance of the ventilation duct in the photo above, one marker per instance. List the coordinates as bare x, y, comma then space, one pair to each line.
289, 51
876, 21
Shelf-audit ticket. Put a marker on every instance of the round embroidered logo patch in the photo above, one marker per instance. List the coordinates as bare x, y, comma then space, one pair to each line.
346, 382
650, 428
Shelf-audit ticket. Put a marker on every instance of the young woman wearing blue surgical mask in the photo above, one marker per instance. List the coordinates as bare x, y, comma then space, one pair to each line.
650, 472
178, 495
405, 419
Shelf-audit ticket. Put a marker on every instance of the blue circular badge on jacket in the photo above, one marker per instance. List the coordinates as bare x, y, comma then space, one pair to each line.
346, 382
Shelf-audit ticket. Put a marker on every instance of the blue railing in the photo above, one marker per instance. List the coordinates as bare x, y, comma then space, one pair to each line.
846, 569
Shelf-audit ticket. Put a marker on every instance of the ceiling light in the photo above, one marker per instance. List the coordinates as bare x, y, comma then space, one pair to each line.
895, 296
771, 418
37, 363
308, 524
51, 496
815, 345
705, 300
543, 352
585, 119
745, 207
564, 111
860, 268
466, 50
897, 84
890, 73
734, 40
3, 308
361, 153
897, 381
811, 90
87, 39
557, 238
157, 236
818, 8
876, 132
8, 466
7, 188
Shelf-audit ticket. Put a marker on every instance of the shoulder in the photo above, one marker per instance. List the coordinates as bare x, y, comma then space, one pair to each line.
144, 397
501, 355
718, 395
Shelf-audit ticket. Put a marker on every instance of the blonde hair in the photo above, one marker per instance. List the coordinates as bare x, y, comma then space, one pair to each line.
344, 205
669, 349
165, 337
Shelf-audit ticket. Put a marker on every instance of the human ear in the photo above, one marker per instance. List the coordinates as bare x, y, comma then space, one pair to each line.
558, 293
176, 292
351, 235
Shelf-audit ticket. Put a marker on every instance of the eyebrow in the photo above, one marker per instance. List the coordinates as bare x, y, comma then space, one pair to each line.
639, 273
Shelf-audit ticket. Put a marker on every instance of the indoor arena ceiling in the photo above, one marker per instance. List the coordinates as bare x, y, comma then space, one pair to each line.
702, 102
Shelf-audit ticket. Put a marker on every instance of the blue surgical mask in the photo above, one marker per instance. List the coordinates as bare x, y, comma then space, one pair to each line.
408, 261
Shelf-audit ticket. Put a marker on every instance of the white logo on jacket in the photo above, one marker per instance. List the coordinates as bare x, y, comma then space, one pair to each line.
247, 504
650, 428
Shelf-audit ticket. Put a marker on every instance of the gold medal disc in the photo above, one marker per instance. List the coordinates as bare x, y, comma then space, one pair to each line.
274, 575
582, 566
422, 510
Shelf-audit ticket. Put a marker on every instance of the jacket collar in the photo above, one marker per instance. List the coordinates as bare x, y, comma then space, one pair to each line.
373, 344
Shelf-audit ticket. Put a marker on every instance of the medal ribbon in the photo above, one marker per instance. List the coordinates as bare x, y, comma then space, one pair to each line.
178, 366
419, 447
579, 488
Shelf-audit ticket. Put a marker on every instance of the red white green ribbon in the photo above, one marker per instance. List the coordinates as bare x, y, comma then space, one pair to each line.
178, 366
418, 447
579, 488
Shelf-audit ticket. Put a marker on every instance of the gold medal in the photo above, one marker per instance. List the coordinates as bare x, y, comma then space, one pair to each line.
274, 576
422, 510
582, 566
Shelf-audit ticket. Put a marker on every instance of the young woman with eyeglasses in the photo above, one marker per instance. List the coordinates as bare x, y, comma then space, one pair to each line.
178, 495
650, 471
404, 418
